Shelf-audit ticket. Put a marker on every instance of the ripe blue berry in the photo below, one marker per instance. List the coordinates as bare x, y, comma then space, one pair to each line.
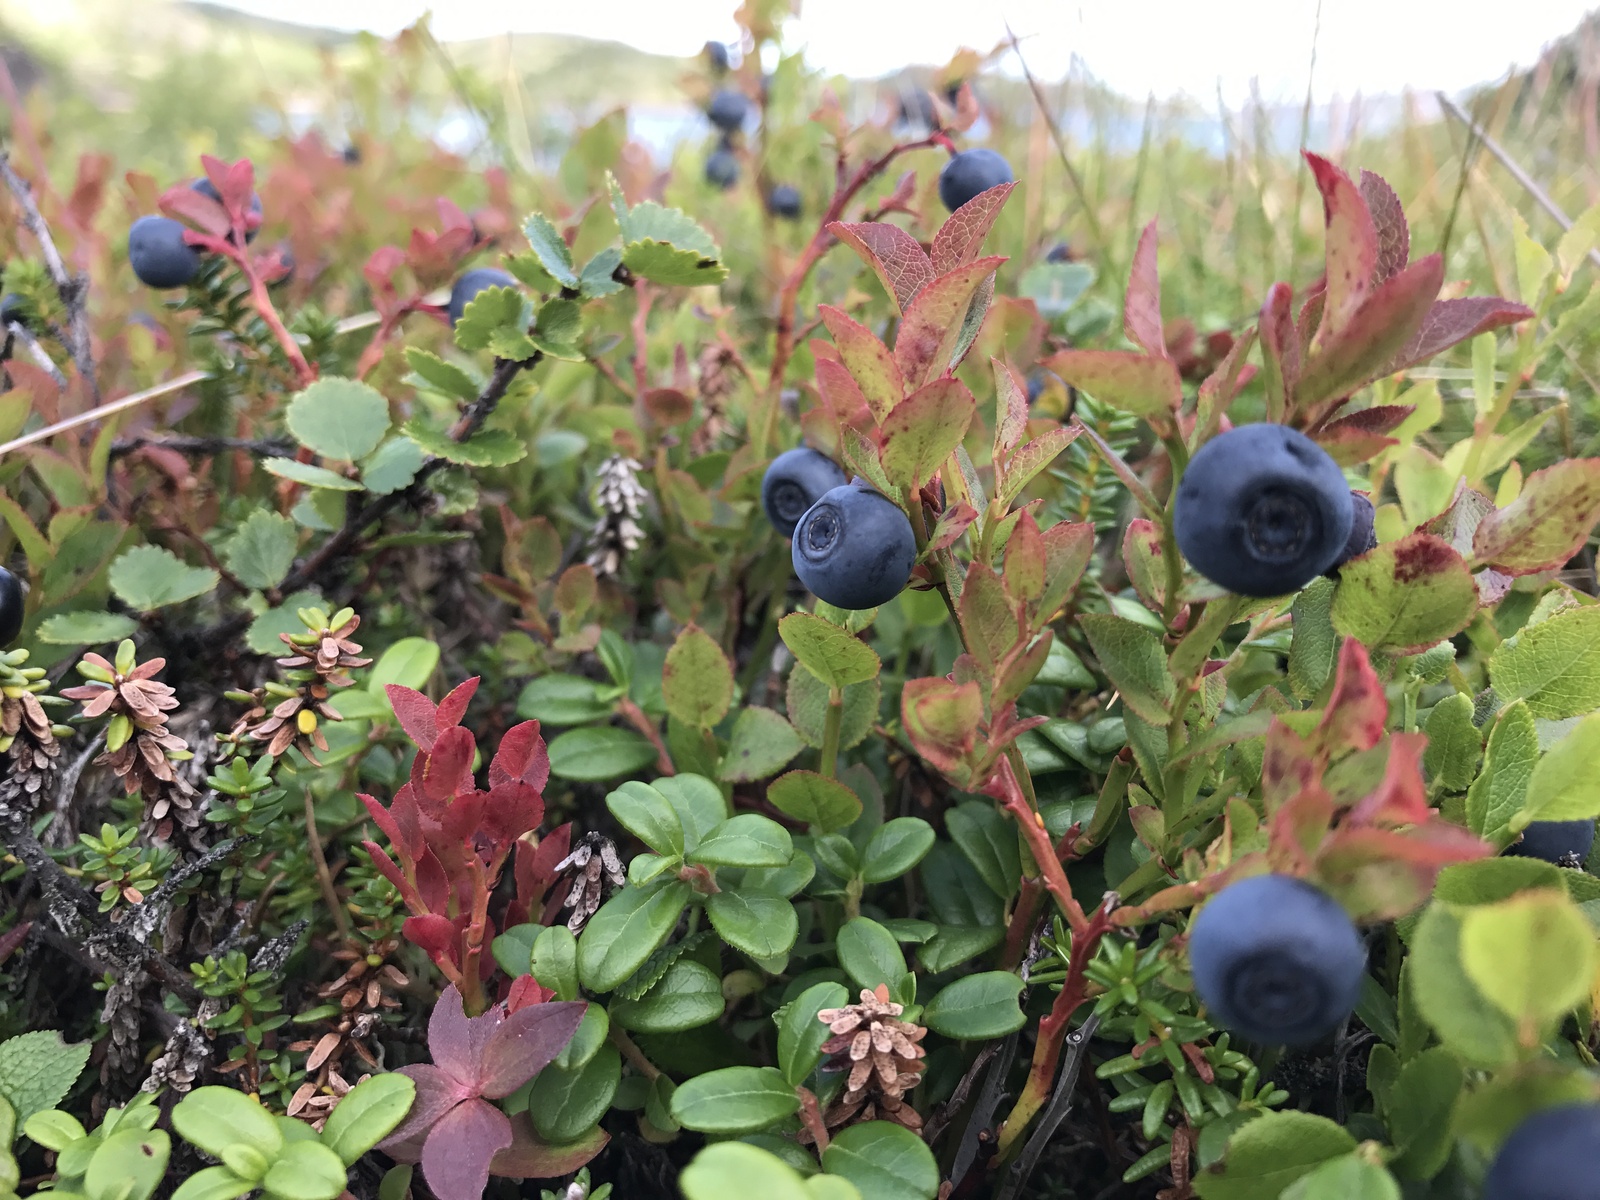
12, 309
1262, 510
784, 201
470, 284
1554, 841
204, 187
158, 254
1059, 253
1550, 1156
716, 54
795, 481
1363, 533
1276, 960
969, 173
722, 168
854, 548
727, 109
11, 605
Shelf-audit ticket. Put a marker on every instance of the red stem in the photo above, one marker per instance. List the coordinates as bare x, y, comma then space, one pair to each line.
1044, 854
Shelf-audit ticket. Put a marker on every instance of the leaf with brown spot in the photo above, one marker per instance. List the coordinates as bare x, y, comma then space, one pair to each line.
1452, 321
893, 253
1547, 524
932, 326
1404, 596
1011, 409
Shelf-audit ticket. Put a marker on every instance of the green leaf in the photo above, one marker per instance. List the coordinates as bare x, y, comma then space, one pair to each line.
369, 1112
1498, 793
1348, 1177
52, 1128
824, 803
148, 577
625, 931
1548, 521
562, 700
262, 550
214, 1118
885, 1161
895, 847
1126, 379
37, 1070
486, 448
688, 995
305, 1171
869, 954
747, 840
1554, 665
834, 655
299, 472
734, 1100
956, 944
1565, 785
758, 925
801, 1034
989, 842
1454, 743
341, 419
1132, 658
1315, 645
213, 1183
391, 466
491, 310
446, 377
1446, 996
728, 1170
976, 1006
592, 1033
699, 804
129, 1165
1270, 1153
806, 702
1055, 287
596, 279
85, 628
1487, 880
697, 680
563, 1105
922, 431
645, 813
761, 744
671, 267
410, 662
513, 949
262, 637
1404, 596
1532, 956
550, 248
557, 328
553, 961
599, 754
1419, 1108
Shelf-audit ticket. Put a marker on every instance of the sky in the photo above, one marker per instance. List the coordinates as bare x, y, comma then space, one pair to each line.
1139, 47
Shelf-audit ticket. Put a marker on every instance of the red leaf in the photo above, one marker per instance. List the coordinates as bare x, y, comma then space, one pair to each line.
1352, 246
1348, 446
432, 883
1280, 349
1141, 312
525, 990
196, 209
386, 867
841, 395
961, 237
454, 706
927, 338
1402, 798
953, 522
449, 764
1068, 546
1287, 766
893, 253
457, 1154
12, 938
1380, 874
867, 359
512, 810
416, 714
1360, 349
524, 1043
1389, 219
1025, 560
1125, 379
437, 1093
1452, 321
530, 1157
1546, 524
521, 757
924, 430
1380, 418
1298, 828
463, 815
384, 820
942, 719
437, 936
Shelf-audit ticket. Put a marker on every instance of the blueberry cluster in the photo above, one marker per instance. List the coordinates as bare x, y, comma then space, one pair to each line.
853, 546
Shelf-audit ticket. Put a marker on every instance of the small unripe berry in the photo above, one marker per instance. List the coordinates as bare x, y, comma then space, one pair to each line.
854, 548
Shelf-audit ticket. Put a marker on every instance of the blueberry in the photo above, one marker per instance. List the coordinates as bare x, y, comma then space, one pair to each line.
286, 253
1276, 960
1556, 841
1059, 253
970, 173
1262, 510
351, 154
784, 201
795, 481
716, 54
158, 254
11, 605
1363, 534
1038, 383
854, 548
727, 109
204, 187
470, 284
917, 109
722, 168
12, 308
1550, 1156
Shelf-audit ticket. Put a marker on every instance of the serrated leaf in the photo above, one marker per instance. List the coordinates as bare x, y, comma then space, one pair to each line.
391, 466
1132, 658
1554, 665
512, 344
666, 264
492, 309
1532, 956
37, 1070
927, 338
815, 799
446, 377
486, 448
1267, 1154
311, 476
897, 258
1565, 785
559, 323
262, 550
1499, 791
550, 248
149, 577
834, 655
1405, 596
1454, 743
923, 429
342, 419
596, 279
1547, 523
85, 628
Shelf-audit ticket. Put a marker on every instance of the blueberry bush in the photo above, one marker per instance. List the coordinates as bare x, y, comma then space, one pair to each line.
749, 679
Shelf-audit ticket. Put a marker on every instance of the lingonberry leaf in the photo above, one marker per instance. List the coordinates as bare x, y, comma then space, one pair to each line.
1141, 313
894, 254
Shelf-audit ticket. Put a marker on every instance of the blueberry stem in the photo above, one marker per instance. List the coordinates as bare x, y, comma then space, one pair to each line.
830, 732
1170, 557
